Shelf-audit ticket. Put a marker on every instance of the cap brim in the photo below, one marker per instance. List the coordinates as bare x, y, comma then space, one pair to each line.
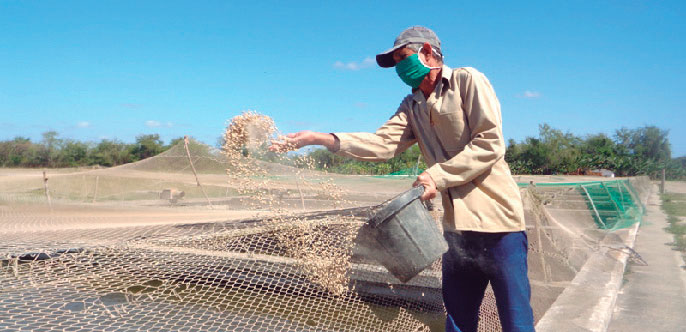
385, 59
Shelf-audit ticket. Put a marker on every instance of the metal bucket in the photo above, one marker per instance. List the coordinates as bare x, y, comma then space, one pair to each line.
402, 236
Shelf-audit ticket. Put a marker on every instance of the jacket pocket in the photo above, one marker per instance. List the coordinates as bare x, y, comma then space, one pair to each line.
452, 131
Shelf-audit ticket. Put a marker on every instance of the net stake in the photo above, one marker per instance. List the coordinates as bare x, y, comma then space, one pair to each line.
197, 181
45, 187
95, 192
302, 198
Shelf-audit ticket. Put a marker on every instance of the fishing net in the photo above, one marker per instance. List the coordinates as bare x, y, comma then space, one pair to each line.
197, 239
615, 204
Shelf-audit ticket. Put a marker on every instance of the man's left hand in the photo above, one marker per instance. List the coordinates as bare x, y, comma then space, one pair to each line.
425, 180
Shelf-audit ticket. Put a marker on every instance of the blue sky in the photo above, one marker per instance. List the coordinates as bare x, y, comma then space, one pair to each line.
117, 69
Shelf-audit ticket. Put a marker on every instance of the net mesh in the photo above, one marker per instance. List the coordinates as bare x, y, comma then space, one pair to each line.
222, 276
155, 246
615, 204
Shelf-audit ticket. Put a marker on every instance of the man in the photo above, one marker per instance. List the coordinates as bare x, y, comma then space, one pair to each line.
455, 118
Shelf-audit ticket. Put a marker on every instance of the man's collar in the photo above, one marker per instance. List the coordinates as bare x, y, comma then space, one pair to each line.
446, 74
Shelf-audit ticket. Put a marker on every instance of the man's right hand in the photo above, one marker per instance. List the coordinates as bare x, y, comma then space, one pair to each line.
425, 180
294, 141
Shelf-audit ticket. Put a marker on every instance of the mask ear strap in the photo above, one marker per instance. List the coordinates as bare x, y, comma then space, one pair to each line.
420, 59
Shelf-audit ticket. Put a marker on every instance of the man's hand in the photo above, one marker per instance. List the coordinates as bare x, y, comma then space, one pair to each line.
425, 180
294, 141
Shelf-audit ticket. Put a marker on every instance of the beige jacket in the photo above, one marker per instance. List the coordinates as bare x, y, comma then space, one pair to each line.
459, 131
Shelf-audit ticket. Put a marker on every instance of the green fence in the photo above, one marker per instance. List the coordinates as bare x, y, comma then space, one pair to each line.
409, 172
615, 204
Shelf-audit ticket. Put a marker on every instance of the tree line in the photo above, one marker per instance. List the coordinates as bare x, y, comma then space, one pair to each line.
52, 151
640, 151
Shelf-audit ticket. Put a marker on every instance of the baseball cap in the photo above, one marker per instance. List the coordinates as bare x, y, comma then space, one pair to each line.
411, 35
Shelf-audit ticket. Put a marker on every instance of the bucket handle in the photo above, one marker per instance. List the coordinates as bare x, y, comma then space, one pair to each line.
395, 205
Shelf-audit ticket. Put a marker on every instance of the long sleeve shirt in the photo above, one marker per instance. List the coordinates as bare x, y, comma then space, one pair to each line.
459, 132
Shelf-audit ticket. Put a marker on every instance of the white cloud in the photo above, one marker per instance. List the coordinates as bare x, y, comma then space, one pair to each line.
529, 94
83, 124
156, 124
152, 123
354, 65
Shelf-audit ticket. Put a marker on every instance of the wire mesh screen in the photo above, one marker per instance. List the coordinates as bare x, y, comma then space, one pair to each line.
122, 256
239, 278
174, 243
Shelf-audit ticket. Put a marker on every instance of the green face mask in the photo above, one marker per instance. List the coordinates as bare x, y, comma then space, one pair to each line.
412, 71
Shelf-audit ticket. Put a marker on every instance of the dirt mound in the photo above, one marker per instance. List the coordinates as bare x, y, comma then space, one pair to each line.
206, 159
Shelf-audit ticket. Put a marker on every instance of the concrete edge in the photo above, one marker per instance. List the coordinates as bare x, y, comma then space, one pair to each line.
588, 302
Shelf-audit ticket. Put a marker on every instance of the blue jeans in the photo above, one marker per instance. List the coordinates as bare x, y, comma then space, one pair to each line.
473, 259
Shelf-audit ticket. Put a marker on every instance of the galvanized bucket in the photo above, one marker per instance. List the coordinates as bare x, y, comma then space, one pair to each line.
402, 236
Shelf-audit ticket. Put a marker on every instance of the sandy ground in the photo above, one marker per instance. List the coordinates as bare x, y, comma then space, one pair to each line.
675, 187
108, 213
24, 218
